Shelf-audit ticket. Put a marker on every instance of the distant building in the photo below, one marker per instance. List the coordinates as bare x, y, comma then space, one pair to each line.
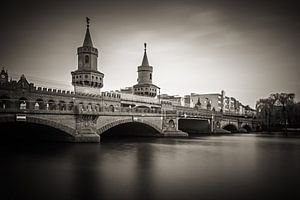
220, 102
208, 101
174, 99
144, 87
188, 101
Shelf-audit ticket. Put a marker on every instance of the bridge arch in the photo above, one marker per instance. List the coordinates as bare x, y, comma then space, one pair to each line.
230, 127
194, 126
39, 121
127, 122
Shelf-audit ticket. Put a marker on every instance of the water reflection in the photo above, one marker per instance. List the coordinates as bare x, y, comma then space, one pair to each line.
225, 167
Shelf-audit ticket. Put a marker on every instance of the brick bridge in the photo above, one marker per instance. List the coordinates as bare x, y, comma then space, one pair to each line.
85, 117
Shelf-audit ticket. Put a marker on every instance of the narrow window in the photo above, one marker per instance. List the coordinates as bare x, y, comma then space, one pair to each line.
150, 76
87, 59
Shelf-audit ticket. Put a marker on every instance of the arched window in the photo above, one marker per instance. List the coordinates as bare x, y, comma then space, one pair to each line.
39, 104
111, 108
86, 59
62, 105
89, 107
23, 103
51, 105
150, 76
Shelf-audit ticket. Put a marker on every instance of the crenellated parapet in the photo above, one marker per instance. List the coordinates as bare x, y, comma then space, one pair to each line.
25, 95
53, 91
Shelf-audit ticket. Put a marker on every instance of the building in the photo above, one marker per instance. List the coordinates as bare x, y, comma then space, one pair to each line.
212, 101
87, 78
188, 101
174, 99
221, 103
145, 87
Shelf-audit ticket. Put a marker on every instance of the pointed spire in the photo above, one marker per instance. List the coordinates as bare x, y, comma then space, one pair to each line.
145, 58
88, 40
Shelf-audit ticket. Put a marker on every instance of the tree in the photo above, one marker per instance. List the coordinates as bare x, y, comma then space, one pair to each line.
285, 99
276, 110
265, 109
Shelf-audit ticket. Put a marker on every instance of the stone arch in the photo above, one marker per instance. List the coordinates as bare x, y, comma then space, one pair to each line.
71, 105
230, 127
39, 104
97, 107
89, 106
111, 108
51, 105
124, 121
34, 120
23, 103
194, 125
81, 106
62, 105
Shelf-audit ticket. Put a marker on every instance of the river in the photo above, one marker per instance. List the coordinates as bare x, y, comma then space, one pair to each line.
210, 167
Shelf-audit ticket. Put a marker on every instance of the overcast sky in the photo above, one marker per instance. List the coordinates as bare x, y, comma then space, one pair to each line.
247, 48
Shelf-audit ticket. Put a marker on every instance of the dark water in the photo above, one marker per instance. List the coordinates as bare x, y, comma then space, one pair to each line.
224, 167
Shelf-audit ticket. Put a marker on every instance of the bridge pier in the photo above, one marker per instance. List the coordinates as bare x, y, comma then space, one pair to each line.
170, 128
86, 130
88, 138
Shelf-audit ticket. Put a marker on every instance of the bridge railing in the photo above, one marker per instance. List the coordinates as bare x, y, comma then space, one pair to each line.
187, 111
23, 105
27, 106
118, 110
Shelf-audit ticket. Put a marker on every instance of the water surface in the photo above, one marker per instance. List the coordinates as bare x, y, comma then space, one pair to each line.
210, 167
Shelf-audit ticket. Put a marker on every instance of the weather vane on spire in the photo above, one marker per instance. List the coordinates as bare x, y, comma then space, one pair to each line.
87, 22
145, 45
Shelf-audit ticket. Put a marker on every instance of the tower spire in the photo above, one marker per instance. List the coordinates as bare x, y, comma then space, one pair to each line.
145, 58
87, 39
87, 78
144, 86
87, 22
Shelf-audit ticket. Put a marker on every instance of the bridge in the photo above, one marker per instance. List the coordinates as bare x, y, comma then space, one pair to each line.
85, 117
86, 114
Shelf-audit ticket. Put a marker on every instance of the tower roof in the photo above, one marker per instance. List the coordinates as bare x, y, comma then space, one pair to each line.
87, 39
145, 58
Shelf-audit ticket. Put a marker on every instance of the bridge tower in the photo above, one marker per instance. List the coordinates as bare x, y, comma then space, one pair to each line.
87, 78
144, 87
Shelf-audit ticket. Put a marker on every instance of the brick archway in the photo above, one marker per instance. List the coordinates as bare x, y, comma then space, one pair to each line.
45, 122
230, 127
124, 121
